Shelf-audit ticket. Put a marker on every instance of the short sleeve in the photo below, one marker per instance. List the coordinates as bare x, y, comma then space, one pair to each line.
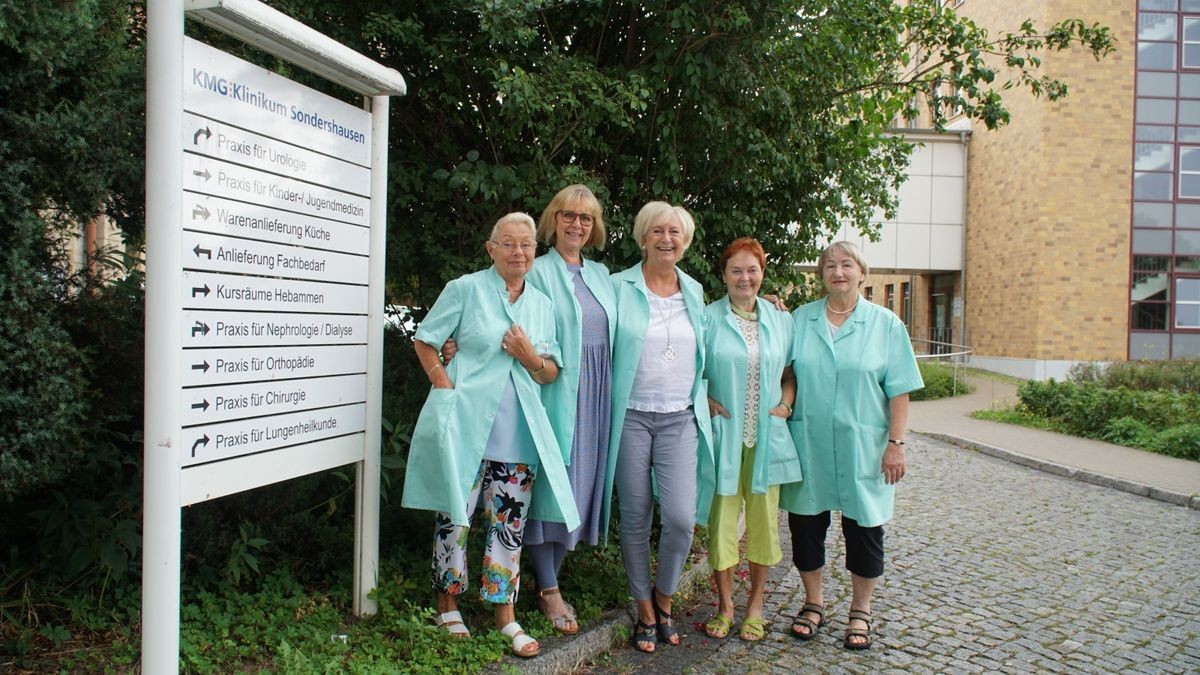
902, 375
443, 318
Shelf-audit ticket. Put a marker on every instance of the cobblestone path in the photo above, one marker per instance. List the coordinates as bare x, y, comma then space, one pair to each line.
992, 567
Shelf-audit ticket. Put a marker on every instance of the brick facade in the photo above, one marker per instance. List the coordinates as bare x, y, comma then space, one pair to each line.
1048, 200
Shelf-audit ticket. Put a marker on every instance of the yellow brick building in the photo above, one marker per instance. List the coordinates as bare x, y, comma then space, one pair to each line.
1082, 224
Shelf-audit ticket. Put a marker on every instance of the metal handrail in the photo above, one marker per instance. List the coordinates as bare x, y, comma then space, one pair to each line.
957, 356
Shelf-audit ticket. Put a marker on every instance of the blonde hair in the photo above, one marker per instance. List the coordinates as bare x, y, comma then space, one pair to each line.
654, 214
846, 249
547, 230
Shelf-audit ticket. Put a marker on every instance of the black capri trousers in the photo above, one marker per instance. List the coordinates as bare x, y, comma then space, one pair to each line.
864, 545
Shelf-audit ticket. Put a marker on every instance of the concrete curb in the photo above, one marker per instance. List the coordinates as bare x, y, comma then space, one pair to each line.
565, 654
1177, 498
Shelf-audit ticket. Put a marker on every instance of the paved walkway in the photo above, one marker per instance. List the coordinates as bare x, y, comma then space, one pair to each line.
993, 566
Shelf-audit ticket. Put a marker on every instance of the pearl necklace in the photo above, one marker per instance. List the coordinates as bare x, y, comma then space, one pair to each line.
841, 313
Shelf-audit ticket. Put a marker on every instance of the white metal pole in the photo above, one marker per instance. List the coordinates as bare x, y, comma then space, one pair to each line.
366, 521
164, 213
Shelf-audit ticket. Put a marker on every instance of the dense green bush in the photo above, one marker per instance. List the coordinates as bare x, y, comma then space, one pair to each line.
1163, 421
1180, 375
939, 382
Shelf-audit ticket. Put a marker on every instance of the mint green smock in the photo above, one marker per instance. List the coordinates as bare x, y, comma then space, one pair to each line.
840, 419
726, 367
453, 428
633, 318
551, 276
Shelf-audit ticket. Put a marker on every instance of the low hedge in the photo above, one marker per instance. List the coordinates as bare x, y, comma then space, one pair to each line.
939, 383
1162, 421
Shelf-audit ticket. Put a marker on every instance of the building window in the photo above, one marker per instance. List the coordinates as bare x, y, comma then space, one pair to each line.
870, 293
1189, 172
1191, 42
889, 294
905, 299
1187, 302
1148, 293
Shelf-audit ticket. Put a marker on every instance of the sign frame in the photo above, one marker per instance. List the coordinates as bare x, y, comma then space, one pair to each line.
165, 488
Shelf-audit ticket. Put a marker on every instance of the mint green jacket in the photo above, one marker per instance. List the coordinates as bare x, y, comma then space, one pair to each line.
453, 428
726, 369
841, 416
551, 276
633, 317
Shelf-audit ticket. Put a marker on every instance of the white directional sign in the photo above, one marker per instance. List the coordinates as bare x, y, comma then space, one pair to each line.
274, 252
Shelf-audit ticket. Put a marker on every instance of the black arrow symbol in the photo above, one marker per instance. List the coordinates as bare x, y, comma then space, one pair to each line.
200, 211
201, 366
203, 174
207, 252
206, 132
201, 328
199, 441
200, 289
202, 405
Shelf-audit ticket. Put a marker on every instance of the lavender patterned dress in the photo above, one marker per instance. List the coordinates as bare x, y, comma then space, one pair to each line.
589, 449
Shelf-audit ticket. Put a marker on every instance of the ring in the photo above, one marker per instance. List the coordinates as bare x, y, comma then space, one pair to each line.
503, 345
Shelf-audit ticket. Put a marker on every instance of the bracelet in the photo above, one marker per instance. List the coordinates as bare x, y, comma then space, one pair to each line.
786, 405
894, 441
430, 371
535, 372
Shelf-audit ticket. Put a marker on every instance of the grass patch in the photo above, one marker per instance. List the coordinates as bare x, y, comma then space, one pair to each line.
940, 382
1014, 415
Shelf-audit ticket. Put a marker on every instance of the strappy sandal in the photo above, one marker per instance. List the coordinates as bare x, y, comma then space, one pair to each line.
865, 634
666, 629
802, 621
522, 645
453, 623
753, 629
718, 627
645, 637
565, 623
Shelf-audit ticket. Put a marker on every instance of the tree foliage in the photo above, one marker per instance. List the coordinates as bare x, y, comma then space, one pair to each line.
70, 139
764, 118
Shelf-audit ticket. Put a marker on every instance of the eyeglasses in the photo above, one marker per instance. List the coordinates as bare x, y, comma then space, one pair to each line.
509, 246
570, 216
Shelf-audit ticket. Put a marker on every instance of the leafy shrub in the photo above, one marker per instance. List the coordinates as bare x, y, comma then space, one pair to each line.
1128, 431
1180, 375
939, 383
1179, 441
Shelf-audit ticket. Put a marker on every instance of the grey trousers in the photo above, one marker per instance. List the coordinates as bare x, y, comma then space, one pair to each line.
666, 443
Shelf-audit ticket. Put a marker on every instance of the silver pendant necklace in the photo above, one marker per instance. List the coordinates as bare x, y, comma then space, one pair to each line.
668, 353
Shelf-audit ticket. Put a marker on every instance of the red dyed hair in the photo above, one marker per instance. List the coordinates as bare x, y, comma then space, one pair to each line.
747, 244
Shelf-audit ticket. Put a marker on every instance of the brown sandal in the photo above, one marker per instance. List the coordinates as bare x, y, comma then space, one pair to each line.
804, 622
566, 623
865, 634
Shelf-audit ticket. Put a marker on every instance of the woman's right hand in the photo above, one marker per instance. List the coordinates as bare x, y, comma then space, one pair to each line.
449, 349
715, 409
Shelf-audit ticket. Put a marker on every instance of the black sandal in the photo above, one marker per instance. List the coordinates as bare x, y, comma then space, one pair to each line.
666, 629
865, 617
803, 622
645, 634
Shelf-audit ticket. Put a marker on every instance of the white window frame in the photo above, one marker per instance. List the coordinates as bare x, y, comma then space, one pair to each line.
1183, 42
1178, 303
1181, 172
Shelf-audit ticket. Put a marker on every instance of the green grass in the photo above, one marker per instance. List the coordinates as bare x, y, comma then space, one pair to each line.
1012, 415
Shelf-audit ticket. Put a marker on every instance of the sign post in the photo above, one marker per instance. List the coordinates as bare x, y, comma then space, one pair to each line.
265, 237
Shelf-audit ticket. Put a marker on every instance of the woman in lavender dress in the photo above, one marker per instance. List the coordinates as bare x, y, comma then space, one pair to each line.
578, 401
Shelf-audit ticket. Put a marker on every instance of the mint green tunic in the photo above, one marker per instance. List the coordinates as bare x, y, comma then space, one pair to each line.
551, 276
841, 416
726, 367
453, 427
633, 317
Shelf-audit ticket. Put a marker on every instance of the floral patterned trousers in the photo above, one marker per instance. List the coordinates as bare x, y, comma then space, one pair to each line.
506, 488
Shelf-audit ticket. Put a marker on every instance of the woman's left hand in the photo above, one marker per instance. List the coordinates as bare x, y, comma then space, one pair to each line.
893, 463
516, 344
780, 411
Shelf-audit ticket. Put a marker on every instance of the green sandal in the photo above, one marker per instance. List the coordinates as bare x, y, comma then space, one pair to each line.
865, 634
753, 629
718, 626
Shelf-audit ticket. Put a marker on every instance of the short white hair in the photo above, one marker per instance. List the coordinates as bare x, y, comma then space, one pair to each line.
514, 217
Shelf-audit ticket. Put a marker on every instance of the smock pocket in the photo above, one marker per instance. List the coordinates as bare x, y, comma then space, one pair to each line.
798, 431
784, 464
869, 444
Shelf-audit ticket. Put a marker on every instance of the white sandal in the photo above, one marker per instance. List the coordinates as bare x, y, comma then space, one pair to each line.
453, 623
520, 641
